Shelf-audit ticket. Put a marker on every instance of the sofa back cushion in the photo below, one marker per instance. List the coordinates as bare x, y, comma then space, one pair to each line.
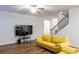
59, 39
46, 37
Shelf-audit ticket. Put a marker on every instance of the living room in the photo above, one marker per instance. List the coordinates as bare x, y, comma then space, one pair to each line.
42, 19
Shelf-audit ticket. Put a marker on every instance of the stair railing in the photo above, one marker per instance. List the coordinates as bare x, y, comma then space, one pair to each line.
58, 24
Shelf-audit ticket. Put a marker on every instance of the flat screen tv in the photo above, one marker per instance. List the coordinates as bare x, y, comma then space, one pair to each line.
22, 30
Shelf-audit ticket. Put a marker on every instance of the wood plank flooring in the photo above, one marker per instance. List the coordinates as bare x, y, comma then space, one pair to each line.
25, 48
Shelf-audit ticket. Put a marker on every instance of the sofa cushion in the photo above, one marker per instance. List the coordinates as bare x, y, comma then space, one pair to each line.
58, 39
46, 38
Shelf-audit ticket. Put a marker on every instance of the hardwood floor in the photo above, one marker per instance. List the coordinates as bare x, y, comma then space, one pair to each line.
25, 48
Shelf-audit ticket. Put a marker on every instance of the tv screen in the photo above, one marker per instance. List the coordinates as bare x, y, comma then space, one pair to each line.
22, 30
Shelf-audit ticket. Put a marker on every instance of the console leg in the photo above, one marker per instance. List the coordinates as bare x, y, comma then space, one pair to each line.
19, 41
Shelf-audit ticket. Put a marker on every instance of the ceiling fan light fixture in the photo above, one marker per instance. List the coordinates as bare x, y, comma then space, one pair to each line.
33, 10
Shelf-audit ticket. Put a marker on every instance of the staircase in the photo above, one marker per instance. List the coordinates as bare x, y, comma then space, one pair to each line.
60, 25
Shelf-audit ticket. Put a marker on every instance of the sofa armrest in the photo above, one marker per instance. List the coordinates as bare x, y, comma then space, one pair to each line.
38, 39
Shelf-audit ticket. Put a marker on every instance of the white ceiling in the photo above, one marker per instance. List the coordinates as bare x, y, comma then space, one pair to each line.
49, 10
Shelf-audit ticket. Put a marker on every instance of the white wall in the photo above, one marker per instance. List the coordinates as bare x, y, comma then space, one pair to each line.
8, 22
72, 30
46, 26
53, 22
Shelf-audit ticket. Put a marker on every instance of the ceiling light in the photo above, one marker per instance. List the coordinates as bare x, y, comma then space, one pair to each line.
33, 10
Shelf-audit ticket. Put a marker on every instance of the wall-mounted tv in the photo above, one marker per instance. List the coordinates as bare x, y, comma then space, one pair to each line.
22, 30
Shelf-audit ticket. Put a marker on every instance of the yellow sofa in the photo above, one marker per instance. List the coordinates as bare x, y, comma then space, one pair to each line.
57, 44
52, 42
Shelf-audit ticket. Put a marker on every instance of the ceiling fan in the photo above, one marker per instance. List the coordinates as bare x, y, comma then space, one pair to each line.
36, 9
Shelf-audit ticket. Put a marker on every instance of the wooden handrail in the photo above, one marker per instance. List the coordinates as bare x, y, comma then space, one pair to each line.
58, 23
